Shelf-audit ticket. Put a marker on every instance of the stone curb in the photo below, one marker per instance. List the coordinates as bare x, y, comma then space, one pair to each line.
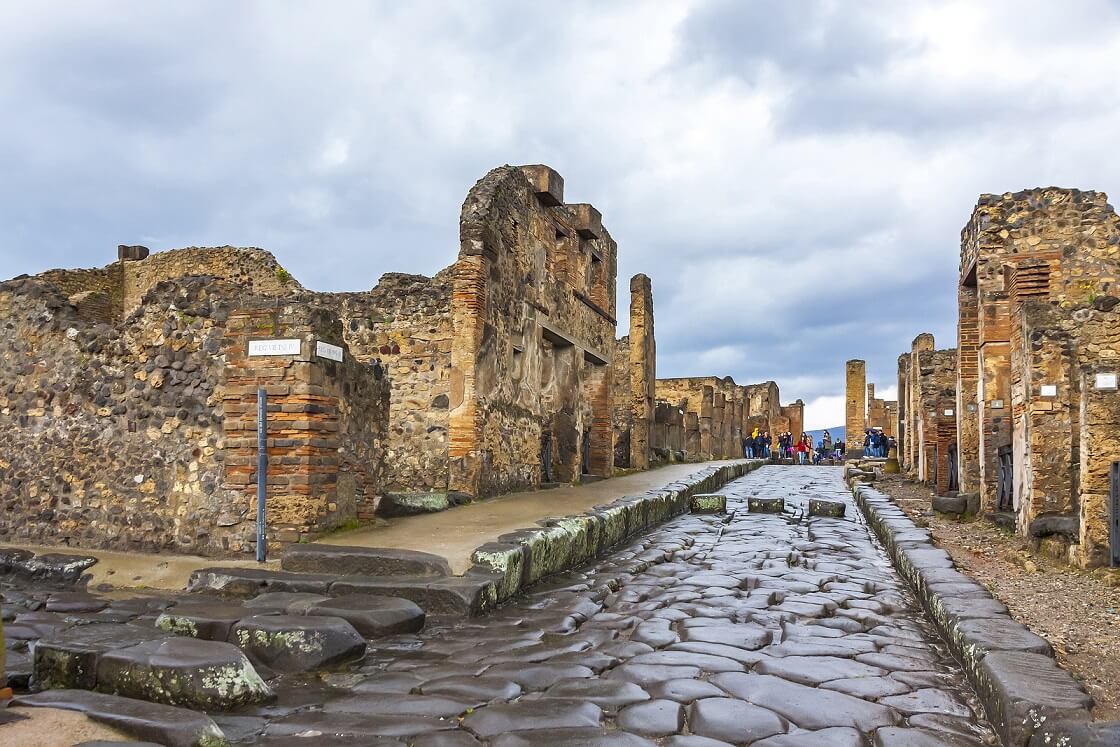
517, 560
1027, 696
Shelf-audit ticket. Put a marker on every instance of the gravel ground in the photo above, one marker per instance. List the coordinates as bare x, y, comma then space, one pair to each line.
1077, 611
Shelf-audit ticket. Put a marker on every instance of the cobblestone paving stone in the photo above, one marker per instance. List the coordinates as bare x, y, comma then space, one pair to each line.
777, 630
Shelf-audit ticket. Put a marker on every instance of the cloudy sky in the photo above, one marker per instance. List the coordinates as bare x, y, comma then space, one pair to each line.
793, 175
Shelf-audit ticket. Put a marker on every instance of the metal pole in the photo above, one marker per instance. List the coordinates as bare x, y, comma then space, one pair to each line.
262, 472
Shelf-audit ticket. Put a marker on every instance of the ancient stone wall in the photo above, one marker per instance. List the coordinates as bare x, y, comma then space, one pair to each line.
114, 433
533, 308
404, 323
915, 459
327, 421
1056, 244
111, 437
792, 419
253, 270
902, 431
855, 404
935, 415
881, 413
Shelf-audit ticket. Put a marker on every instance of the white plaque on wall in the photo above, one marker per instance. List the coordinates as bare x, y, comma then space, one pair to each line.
274, 347
948, 412
1105, 381
326, 350
997, 404
1049, 390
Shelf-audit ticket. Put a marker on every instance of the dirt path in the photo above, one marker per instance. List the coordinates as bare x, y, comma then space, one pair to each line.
50, 727
1077, 611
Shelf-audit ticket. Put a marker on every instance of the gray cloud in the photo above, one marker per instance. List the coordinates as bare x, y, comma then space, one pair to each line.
793, 176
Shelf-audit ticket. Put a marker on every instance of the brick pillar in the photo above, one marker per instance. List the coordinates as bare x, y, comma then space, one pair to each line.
923, 343
707, 406
855, 415
968, 378
643, 369
597, 390
692, 440
995, 422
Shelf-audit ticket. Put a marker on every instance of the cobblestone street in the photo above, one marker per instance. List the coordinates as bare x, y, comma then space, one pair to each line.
765, 629
750, 628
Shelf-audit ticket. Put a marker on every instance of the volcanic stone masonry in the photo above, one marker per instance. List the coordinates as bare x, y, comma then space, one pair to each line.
128, 393
1036, 399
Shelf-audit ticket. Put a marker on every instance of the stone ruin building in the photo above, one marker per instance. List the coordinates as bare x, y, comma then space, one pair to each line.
1030, 393
128, 394
863, 410
709, 417
926, 412
1037, 339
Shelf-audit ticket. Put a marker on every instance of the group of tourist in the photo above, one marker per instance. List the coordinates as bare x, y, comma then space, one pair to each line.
876, 443
757, 445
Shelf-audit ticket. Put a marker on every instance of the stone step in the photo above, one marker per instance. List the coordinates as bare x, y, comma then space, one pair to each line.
162, 724
362, 561
465, 596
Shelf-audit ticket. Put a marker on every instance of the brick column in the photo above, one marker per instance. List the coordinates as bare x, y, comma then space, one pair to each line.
643, 369
855, 382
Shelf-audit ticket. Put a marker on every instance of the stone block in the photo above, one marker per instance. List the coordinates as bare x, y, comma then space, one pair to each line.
251, 582
1023, 691
453, 595
161, 724
950, 504
202, 675
68, 659
410, 504
766, 505
211, 621
362, 561
131, 253
373, 615
589, 221
291, 643
833, 509
708, 503
547, 184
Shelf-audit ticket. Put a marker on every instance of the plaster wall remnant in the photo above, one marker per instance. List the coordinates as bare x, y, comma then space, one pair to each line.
855, 404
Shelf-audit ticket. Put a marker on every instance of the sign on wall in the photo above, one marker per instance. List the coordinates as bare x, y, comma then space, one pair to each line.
274, 347
1105, 381
1049, 390
328, 351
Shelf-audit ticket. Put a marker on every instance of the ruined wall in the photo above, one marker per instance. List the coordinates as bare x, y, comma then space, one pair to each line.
915, 458
327, 421
112, 437
901, 433
792, 419
253, 270
881, 413
405, 323
855, 404
533, 309
1071, 237
634, 376
935, 398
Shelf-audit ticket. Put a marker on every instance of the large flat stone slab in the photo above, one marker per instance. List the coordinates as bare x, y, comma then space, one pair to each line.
247, 583
298, 643
163, 724
210, 621
344, 560
808, 707
68, 659
204, 675
373, 615
452, 595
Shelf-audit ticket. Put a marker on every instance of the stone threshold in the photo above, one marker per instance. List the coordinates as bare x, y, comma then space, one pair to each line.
1028, 698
